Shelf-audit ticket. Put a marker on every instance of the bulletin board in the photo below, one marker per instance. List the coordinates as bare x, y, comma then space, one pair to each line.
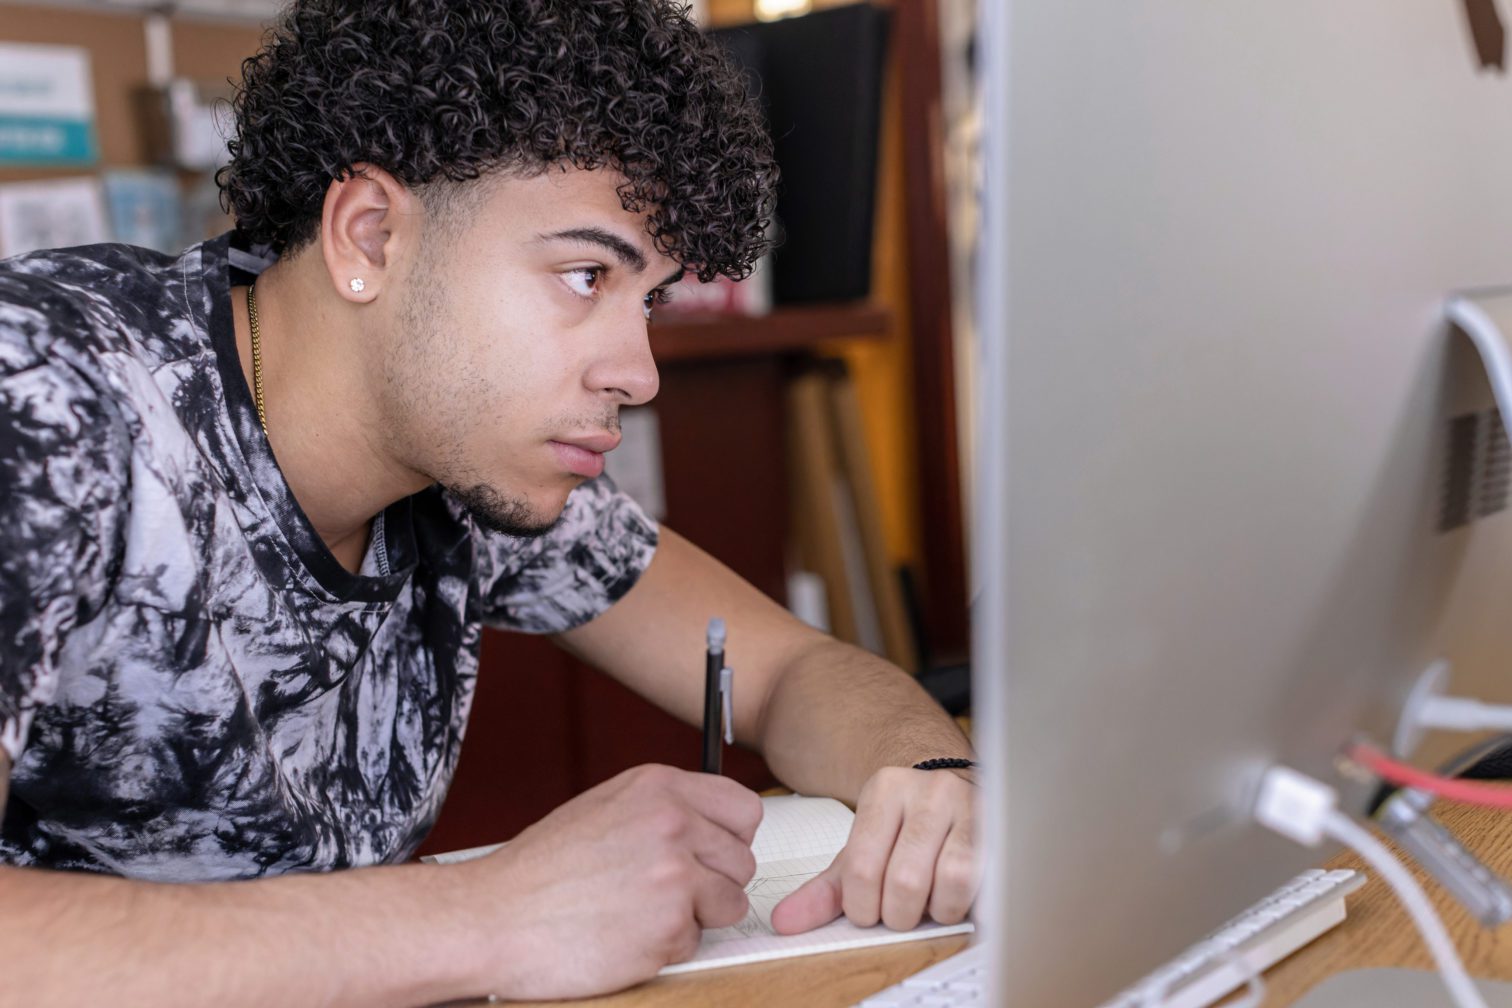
116, 43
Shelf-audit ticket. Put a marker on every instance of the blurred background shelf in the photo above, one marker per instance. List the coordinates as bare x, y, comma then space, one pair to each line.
784, 330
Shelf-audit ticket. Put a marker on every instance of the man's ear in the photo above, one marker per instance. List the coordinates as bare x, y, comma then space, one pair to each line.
368, 220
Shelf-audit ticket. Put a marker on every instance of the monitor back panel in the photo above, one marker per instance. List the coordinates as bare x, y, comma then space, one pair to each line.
1227, 402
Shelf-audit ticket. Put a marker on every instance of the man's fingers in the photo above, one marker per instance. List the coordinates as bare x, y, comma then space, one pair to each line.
911, 870
956, 877
717, 902
682, 946
720, 850
812, 904
863, 862
718, 799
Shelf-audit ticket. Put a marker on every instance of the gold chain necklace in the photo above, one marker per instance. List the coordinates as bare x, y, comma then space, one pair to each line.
257, 388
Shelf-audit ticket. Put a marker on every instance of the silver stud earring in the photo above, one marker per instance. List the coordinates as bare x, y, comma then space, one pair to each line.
358, 285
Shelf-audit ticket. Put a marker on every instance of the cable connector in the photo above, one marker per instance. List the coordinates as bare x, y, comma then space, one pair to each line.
1429, 706
1306, 811
1295, 805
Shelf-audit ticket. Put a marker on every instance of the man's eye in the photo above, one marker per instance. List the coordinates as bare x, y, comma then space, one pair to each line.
583, 282
659, 296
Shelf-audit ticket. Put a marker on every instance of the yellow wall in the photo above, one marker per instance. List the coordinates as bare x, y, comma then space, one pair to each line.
883, 369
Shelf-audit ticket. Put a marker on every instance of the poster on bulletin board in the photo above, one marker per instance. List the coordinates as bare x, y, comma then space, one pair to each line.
46, 106
57, 213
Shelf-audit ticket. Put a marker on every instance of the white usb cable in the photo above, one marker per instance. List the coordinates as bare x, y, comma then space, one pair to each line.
1306, 810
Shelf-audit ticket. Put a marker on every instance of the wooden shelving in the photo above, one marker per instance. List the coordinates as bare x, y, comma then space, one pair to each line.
784, 330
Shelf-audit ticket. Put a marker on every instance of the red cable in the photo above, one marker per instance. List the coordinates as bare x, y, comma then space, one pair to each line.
1400, 774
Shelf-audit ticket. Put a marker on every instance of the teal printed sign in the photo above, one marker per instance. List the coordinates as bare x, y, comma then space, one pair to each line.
24, 140
46, 106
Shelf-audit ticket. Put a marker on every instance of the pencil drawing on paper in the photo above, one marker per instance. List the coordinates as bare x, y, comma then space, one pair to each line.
771, 885
765, 892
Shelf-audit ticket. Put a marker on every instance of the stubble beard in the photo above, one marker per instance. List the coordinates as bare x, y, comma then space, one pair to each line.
498, 512
491, 507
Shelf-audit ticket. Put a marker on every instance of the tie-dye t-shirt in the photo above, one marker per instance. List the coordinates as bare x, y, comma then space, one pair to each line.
191, 686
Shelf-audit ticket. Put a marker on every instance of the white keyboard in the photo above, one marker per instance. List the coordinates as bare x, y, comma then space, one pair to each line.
959, 980
1262, 936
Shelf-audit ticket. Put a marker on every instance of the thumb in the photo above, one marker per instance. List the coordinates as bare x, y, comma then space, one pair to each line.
815, 902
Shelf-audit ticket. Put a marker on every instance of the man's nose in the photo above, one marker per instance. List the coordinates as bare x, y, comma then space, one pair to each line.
626, 370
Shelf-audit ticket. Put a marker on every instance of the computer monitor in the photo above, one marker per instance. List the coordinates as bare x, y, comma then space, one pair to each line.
1219, 402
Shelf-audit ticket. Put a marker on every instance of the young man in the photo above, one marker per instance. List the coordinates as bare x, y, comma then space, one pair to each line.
256, 502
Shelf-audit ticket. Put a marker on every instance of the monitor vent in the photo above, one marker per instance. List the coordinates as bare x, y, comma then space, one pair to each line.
1478, 477
1496, 456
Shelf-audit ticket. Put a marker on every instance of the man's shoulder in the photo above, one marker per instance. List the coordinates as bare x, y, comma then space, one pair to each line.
594, 553
71, 327
78, 304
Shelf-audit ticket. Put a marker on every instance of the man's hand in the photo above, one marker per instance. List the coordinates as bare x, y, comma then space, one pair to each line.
912, 850
598, 895
616, 883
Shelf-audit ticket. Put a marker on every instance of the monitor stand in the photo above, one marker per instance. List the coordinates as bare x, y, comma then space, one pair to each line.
1395, 988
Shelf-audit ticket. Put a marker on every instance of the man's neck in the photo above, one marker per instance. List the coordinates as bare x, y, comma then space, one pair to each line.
324, 423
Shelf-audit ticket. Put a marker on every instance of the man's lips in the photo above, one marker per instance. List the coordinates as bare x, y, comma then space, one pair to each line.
584, 456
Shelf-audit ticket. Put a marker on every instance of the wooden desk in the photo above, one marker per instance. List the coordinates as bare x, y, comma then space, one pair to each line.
1376, 933
830, 980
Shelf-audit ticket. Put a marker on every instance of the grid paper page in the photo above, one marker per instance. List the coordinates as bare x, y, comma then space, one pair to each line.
793, 826
797, 839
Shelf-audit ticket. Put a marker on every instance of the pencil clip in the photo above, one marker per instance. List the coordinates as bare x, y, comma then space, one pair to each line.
726, 696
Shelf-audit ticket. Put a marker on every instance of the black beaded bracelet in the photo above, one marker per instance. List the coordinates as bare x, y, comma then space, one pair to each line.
946, 763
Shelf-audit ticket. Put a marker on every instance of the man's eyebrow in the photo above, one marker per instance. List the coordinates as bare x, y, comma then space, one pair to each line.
673, 277
627, 254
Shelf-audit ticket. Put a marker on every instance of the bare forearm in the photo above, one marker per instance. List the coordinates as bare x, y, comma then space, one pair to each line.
839, 714
376, 936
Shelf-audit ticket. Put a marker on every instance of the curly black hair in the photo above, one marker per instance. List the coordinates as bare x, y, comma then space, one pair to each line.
443, 92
